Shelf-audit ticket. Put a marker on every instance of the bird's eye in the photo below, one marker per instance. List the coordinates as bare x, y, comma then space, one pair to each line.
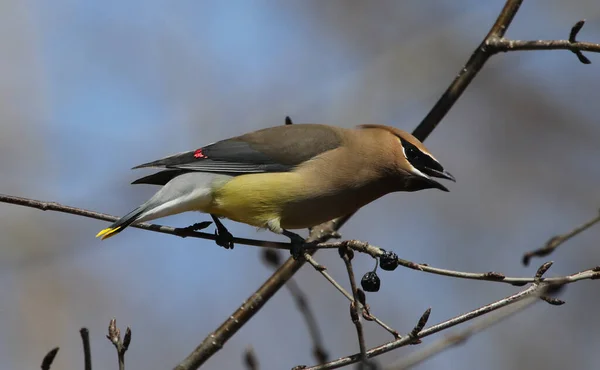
411, 152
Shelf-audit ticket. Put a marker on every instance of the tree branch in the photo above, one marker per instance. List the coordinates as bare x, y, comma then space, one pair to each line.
497, 44
538, 288
181, 232
461, 337
493, 276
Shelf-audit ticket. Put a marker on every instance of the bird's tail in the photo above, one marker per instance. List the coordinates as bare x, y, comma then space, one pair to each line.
120, 224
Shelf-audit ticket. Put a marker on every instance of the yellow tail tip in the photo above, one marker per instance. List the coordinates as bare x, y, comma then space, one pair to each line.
108, 232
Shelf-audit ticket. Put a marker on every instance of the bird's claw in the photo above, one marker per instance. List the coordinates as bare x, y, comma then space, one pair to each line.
297, 246
224, 238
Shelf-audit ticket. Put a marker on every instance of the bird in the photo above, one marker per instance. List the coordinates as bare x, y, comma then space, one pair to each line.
286, 177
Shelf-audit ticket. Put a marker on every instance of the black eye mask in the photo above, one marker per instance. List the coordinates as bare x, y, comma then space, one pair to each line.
418, 159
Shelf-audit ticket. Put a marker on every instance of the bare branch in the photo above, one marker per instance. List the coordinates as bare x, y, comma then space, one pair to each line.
49, 359
181, 232
461, 337
87, 353
537, 288
376, 252
557, 240
505, 45
420, 325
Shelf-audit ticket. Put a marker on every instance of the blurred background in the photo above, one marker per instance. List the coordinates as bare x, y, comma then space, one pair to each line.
90, 89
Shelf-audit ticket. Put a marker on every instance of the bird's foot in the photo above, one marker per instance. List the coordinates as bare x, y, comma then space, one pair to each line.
297, 247
223, 237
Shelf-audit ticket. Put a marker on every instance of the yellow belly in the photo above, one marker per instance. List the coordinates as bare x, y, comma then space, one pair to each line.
276, 200
257, 199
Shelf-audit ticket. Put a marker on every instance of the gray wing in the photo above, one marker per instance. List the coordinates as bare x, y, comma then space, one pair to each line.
275, 149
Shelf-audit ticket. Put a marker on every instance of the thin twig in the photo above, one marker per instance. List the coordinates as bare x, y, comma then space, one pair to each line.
375, 251
273, 258
538, 288
181, 232
330, 228
557, 240
322, 270
347, 255
87, 353
49, 359
577, 47
460, 337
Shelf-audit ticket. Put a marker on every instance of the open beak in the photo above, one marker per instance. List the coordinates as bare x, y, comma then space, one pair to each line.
439, 174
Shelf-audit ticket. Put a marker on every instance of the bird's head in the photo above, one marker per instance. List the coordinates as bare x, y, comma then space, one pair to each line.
413, 159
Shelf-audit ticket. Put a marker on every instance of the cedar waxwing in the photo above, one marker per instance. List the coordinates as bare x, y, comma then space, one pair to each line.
287, 177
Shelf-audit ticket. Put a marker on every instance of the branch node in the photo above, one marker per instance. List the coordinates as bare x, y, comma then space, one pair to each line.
126, 339
542, 270
492, 275
552, 301
362, 298
420, 324
353, 312
573, 40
